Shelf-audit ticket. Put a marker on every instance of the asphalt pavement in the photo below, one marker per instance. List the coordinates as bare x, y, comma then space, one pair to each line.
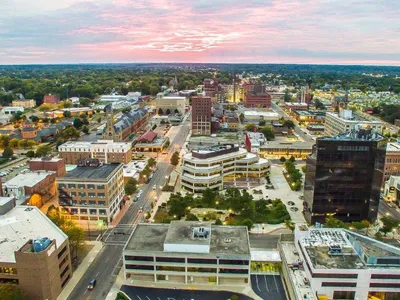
386, 211
268, 287
106, 266
140, 293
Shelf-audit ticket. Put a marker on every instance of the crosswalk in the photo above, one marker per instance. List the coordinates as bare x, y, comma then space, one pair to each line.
118, 235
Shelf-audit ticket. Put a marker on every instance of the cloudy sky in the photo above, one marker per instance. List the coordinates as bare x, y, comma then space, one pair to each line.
259, 31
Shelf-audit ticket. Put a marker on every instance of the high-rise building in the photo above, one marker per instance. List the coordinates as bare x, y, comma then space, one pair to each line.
344, 176
201, 115
51, 99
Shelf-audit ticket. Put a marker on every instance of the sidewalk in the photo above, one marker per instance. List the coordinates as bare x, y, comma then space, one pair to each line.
164, 197
77, 275
121, 213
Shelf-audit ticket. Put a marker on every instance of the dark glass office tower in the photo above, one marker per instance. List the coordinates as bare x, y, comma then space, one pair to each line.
343, 177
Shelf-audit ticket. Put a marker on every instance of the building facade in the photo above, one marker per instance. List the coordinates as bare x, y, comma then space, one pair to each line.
201, 115
25, 103
344, 176
35, 253
255, 95
341, 264
106, 151
51, 99
277, 149
345, 121
171, 104
91, 192
210, 168
188, 253
392, 161
391, 190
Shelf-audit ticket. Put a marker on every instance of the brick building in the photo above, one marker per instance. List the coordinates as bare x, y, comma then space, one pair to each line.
51, 99
34, 252
48, 164
104, 150
25, 103
201, 115
392, 161
255, 95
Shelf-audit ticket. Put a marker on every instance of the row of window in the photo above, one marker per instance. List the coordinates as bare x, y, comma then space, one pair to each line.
189, 269
84, 211
81, 186
189, 260
67, 201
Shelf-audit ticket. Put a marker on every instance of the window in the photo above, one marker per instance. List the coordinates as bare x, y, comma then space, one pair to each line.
81, 186
71, 186
91, 195
65, 281
90, 186
84, 211
101, 203
384, 276
101, 195
61, 186
350, 295
102, 212
62, 252
322, 275
338, 284
139, 258
92, 203
202, 261
93, 211
170, 259
171, 269
138, 267
385, 285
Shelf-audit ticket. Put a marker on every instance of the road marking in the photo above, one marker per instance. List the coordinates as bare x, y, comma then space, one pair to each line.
85, 292
106, 259
97, 274
277, 289
266, 284
148, 298
138, 297
257, 283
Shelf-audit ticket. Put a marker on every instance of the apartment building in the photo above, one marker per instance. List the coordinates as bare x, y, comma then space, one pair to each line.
106, 151
34, 253
213, 166
188, 253
255, 95
25, 103
92, 191
201, 115
291, 106
341, 264
345, 121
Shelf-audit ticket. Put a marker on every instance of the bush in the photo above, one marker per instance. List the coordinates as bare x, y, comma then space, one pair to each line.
283, 159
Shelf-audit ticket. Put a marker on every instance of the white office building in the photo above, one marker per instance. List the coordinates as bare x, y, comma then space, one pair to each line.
345, 121
188, 253
341, 264
213, 166
173, 104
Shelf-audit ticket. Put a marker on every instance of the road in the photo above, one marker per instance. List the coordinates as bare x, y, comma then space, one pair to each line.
108, 262
297, 128
386, 211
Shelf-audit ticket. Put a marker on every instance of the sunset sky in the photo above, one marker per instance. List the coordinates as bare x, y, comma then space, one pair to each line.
238, 31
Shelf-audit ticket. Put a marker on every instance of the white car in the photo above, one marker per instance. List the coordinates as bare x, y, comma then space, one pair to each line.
154, 187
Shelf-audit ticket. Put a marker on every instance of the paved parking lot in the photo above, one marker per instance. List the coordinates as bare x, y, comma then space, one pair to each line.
268, 287
144, 293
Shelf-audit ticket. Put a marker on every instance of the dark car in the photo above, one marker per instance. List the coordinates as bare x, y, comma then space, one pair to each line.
92, 284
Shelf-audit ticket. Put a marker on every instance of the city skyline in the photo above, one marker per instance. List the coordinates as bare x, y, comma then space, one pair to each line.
88, 31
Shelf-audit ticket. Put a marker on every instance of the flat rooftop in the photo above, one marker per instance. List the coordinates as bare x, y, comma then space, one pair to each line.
28, 179
256, 113
46, 159
229, 240
321, 259
393, 147
362, 135
22, 224
100, 172
287, 145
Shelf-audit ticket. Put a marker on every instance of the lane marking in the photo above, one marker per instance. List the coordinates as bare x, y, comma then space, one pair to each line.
97, 274
266, 284
138, 297
257, 284
276, 285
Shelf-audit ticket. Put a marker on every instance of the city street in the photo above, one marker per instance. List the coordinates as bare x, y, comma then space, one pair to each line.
297, 128
386, 211
109, 262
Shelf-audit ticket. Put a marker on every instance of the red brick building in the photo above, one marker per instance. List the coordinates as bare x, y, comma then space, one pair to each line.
48, 164
211, 87
51, 99
255, 95
201, 115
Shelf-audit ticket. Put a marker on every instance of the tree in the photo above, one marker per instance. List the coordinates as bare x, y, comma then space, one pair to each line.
151, 162
30, 154
234, 297
99, 120
218, 222
175, 159
85, 129
46, 107
160, 111
262, 123
125, 110
282, 159
34, 118
131, 186
318, 104
69, 133
78, 123
11, 291
13, 143
30, 144
268, 133
35, 200
8, 152
75, 234
251, 127
331, 222
287, 96
67, 114
241, 117
292, 159
290, 225
43, 150
289, 124
248, 223
388, 225
191, 217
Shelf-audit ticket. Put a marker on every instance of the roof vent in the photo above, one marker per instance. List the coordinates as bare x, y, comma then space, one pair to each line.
227, 240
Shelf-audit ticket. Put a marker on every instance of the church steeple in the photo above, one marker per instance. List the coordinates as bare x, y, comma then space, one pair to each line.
109, 132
